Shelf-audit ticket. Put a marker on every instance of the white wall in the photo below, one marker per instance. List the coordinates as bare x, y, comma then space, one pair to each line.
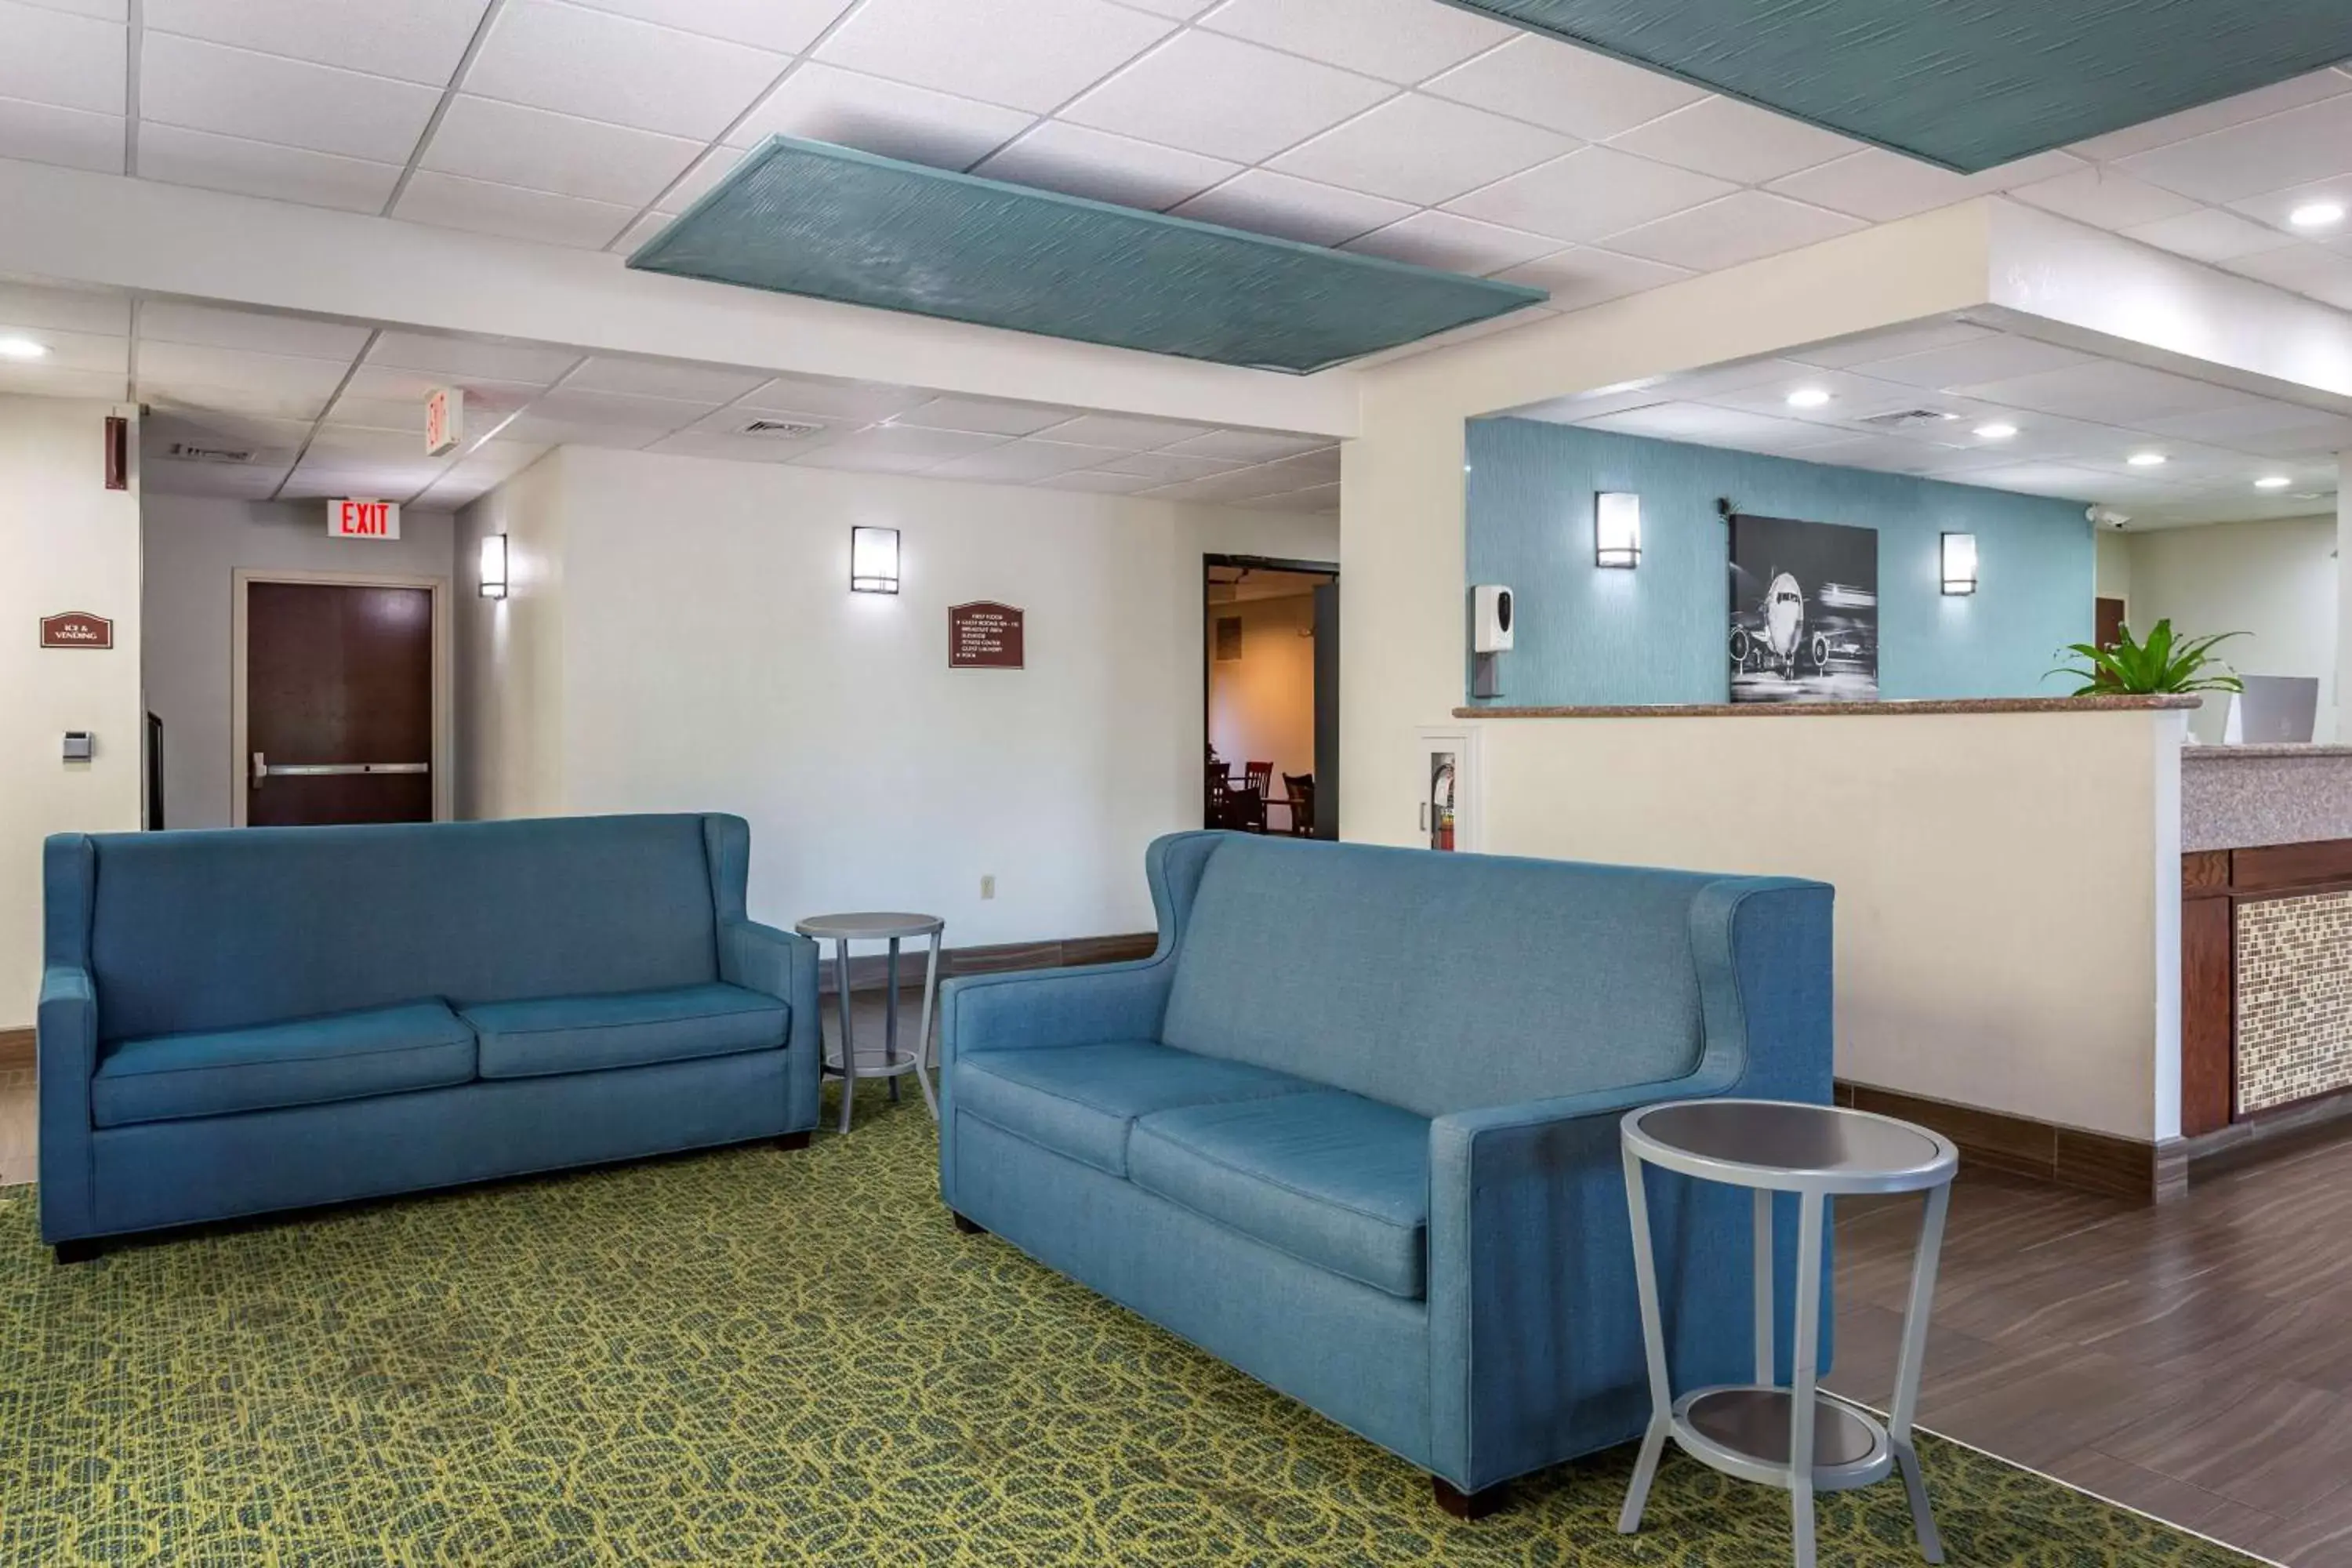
2275, 580
194, 547
2008, 885
67, 542
510, 651
712, 657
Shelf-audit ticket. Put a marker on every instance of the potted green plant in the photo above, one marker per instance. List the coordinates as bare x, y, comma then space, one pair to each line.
2163, 663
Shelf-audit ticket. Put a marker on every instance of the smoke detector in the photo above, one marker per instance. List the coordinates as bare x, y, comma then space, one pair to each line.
780, 429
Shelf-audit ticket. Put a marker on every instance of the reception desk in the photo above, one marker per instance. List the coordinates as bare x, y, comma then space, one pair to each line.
2267, 939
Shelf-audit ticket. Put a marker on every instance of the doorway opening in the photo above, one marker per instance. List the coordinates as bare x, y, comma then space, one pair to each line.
338, 690
1271, 695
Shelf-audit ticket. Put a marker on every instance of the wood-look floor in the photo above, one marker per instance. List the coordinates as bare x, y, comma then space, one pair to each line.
2193, 1361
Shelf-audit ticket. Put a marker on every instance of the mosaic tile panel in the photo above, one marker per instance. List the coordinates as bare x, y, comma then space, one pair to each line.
2295, 999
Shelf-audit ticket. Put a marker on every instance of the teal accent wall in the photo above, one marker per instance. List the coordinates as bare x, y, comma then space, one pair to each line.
1656, 634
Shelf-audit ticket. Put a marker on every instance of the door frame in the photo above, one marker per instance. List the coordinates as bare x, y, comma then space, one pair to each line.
240, 761
1209, 560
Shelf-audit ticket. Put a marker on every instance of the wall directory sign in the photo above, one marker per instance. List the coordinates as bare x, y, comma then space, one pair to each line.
76, 628
363, 520
985, 636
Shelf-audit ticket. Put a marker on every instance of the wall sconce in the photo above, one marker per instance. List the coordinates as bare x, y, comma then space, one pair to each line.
1617, 529
1959, 563
494, 566
873, 560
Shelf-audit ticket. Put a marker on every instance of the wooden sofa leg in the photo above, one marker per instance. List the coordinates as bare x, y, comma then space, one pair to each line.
794, 1141
1470, 1506
79, 1250
966, 1226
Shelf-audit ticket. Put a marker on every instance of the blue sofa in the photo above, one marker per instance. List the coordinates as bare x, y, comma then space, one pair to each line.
1353, 1129
266, 1018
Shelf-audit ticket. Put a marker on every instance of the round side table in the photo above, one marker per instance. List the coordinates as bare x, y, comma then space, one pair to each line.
845, 1061
1754, 1430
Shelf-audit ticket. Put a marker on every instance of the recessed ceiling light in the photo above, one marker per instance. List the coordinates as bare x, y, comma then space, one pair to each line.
22, 348
2146, 459
2273, 482
2316, 214
1998, 430
1808, 397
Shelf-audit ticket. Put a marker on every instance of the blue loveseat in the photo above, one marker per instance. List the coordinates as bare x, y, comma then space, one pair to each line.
1353, 1129
266, 1018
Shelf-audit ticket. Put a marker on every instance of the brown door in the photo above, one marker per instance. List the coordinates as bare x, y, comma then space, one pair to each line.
2109, 621
338, 678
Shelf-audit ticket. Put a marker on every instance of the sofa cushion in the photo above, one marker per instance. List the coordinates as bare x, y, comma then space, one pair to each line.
342, 1056
1080, 1100
1329, 1177
624, 1029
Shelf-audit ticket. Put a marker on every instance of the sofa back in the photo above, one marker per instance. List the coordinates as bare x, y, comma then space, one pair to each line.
221, 928
1437, 981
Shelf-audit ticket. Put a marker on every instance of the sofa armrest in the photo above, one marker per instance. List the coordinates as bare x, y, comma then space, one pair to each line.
1023, 1009
784, 965
66, 1049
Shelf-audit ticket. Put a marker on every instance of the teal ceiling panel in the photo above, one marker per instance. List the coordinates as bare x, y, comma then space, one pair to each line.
805, 218
1968, 84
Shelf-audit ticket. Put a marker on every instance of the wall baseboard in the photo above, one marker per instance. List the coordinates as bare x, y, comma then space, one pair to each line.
16, 1048
2289, 1130
870, 971
2133, 1169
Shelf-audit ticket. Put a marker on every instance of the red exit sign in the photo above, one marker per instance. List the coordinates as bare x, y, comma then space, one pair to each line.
363, 520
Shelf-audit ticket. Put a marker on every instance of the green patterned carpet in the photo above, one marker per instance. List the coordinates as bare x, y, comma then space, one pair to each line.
754, 1357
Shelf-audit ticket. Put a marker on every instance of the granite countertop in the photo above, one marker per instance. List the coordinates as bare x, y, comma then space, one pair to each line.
1900, 708
2262, 753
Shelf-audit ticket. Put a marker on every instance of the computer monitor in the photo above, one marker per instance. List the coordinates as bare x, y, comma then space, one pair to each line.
2272, 710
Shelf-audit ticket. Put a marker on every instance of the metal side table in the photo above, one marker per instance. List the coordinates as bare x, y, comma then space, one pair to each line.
845, 1060
1753, 1430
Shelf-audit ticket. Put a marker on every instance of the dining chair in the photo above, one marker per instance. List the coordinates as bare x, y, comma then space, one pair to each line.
1300, 788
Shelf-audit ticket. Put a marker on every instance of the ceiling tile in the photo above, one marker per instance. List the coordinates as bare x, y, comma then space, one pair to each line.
1263, 202
1570, 89
1022, 462
787, 26
1316, 468
182, 157
381, 414
1059, 156
45, 133
540, 430
1063, 48
67, 309
1129, 433
2225, 427
1453, 244
705, 383
106, 354
1581, 276
523, 364
72, 62
457, 203
1589, 194
1705, 423
820, 103
603, 67
229, 367
1315, 498
230, 481
1734, 141
2312, 142
832, 399
2276, 208
1249, 446
2316, 270
1739, 227
48, 381
2108, 390
897, 448
163, 320
1182, 10
1166, 467
641, 233
1995, 356
984, 416
2061, 479
574, 405
1881, 187
734, 448
1212, 94
509, 145
699, 179
1892, 345
415, 40
98, 10
1396, 40
2292, 93
2208, 234
1420, 150
2105, 199
1099, 481
236, 92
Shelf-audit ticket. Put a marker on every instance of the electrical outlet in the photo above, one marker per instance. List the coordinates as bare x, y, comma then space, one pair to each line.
988, 886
